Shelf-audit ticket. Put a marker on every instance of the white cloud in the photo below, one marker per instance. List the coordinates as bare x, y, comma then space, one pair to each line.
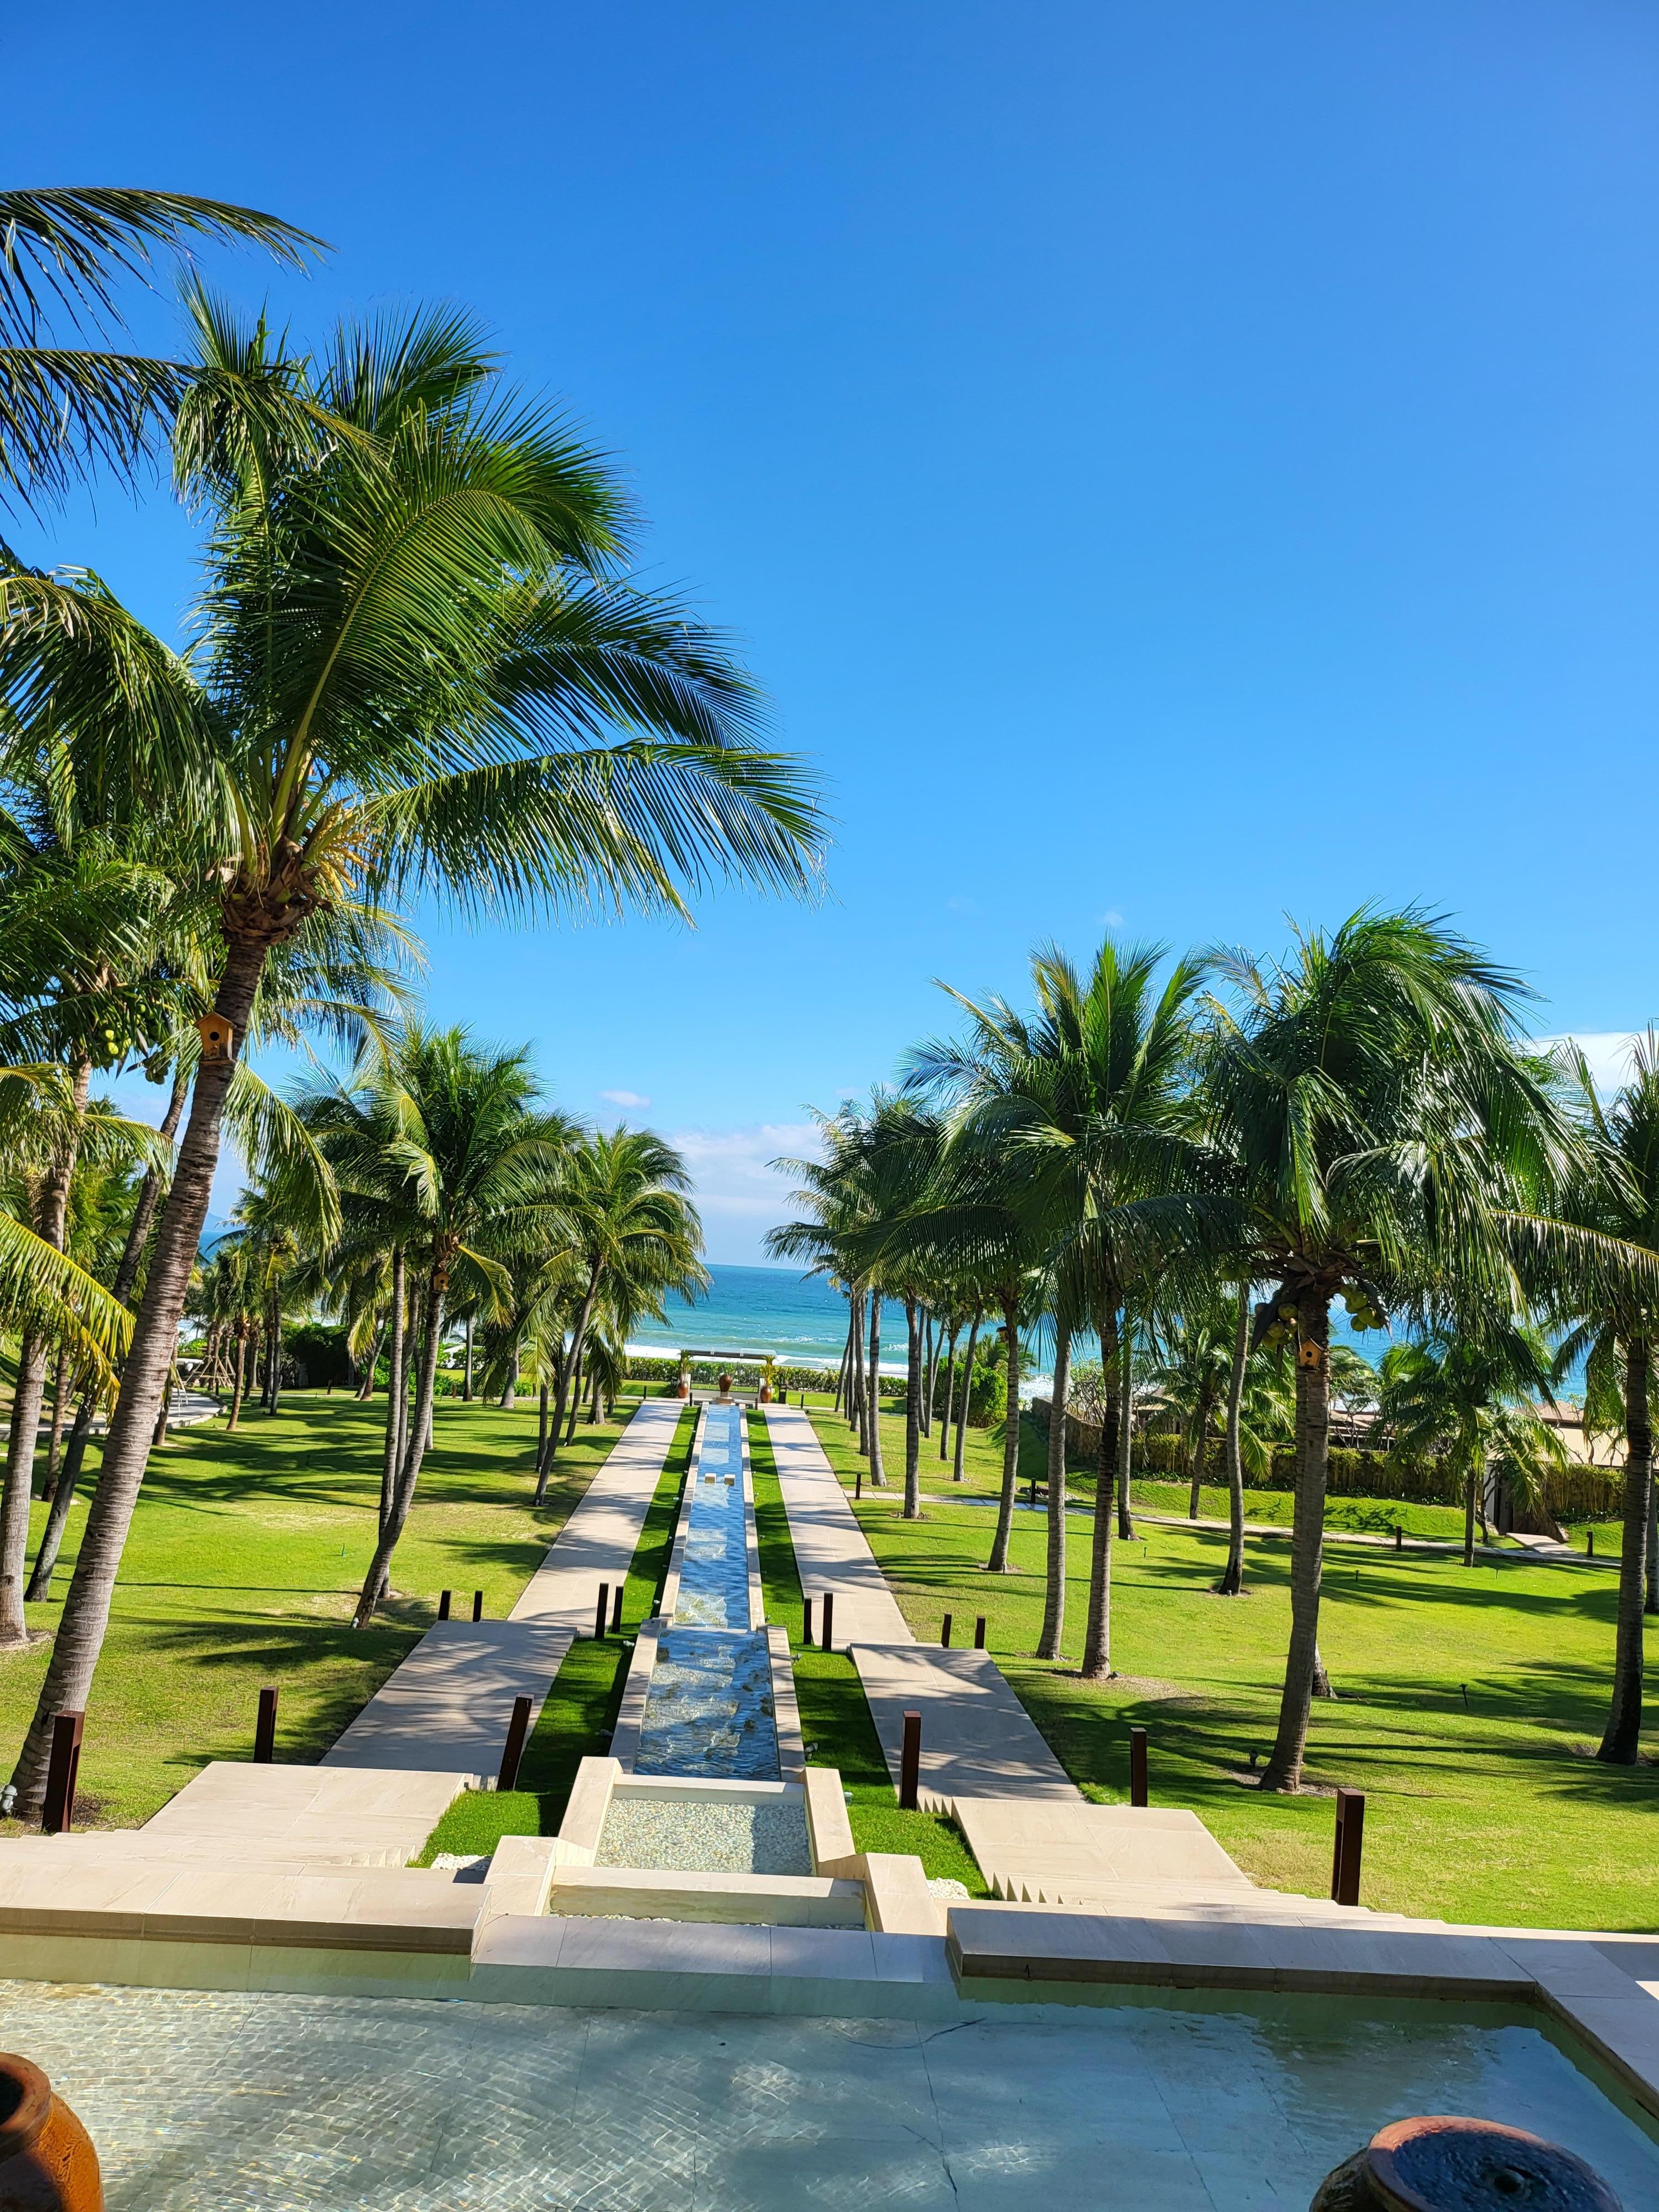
625, 1097
730, 1174
1608, 1051
961, 906
1110, 920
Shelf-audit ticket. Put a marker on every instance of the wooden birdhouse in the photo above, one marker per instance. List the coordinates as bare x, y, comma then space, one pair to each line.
1308, 1354
218, 1038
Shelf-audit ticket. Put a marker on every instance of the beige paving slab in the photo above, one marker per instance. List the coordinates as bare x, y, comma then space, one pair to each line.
447, 1707
830, 1550
344, 1810
1049, 1850
977, 1740
596, 1543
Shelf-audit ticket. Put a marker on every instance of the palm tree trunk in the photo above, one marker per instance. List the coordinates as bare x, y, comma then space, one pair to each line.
1313, 1438
80, 1636
1125, 1360
1053, 1603
376, 1581
576, 1380
466, 1379
1650, 1601
1232, 1575
569, 1367
276, 1354
55, 1434
949, 1391
935, 1345
51, 1211
541, 1422
1622, 1738
913, 1413
366, 1390
396, 1385
1097, 1628
961, 1398
843, 1374
63, 1497
877, 1471
998, 1564
238, 1382
1201, 1412
1471, 1475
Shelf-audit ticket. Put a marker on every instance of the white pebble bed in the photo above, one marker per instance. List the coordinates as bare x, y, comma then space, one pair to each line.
683, 1835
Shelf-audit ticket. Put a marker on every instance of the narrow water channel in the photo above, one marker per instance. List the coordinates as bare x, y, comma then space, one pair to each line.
709, 1709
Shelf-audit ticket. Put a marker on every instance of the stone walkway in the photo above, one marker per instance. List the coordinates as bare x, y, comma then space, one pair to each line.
978, 1739
831, 1552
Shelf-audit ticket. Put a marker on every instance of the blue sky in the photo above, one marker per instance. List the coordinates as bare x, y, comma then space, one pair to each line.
1171, 468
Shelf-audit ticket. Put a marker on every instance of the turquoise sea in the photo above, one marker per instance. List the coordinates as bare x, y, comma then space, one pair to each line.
758, 1310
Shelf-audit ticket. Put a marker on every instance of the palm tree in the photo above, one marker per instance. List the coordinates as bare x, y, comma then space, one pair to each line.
1192, 1372
415, 632
621, 1210
1615, 1336
1394, 1142
475, 1158
63, 409
1089, 1101
1464, 1390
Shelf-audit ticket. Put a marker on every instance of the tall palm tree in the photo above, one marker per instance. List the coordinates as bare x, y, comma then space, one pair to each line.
1393, 1141
63, 252
622, 1210
415, 633
1466, 1390
1615, 1336
1088, 1100
474, 1156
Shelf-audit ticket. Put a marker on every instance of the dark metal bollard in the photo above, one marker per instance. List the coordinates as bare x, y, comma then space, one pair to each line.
517, 1729
979, 1633
1451, 2164
63, 1768
443, 1605
1398, 1538
1349, 1844
265, 1733
806, 1622
602, 1610
1590, 1543
945, 1634
477, 1605
909, 1762
1137, 1766
827, 1636
858, 1482
615, 1610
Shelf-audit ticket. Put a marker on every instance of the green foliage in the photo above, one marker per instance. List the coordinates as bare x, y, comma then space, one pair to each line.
319, 1353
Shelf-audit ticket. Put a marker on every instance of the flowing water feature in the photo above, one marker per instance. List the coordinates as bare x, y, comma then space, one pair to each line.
709, 1712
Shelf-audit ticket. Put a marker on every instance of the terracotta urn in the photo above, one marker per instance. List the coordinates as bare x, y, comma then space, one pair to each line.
47, 2163
1442, 2164
766, 1393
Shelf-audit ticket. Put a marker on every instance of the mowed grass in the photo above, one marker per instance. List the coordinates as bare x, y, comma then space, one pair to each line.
242, 1568
1492, 1811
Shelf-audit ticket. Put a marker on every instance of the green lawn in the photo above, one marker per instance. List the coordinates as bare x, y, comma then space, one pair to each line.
245, 1560
1493, 1812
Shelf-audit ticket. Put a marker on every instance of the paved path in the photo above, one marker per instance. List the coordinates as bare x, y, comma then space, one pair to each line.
977, 1740
447, 1708
831, 1552
598, 1542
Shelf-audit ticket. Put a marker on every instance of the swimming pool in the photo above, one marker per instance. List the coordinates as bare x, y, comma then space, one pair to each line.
212, 2101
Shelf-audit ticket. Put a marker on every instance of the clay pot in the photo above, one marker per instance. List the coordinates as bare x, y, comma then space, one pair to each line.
766, 1393
1447, 2165
47, 2163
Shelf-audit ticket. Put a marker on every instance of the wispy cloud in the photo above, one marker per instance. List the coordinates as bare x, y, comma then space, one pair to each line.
624, 1097
731, 1173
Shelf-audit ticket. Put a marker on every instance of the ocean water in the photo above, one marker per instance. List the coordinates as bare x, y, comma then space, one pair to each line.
758, 1310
